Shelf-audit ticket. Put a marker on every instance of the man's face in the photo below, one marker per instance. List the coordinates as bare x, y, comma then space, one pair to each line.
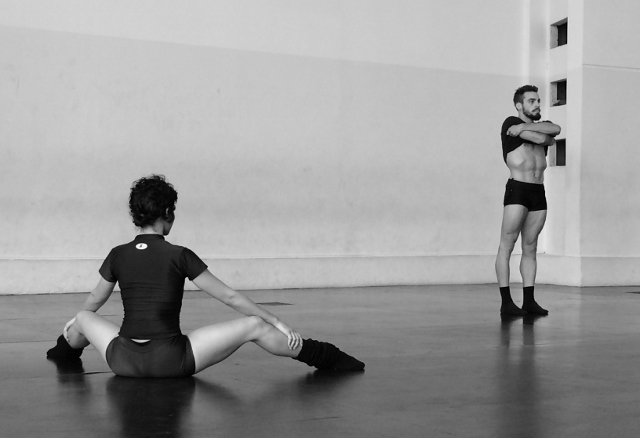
531, 105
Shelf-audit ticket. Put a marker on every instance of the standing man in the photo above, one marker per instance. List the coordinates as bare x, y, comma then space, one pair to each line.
524, 149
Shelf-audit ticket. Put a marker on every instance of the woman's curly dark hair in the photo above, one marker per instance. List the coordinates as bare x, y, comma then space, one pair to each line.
151, 198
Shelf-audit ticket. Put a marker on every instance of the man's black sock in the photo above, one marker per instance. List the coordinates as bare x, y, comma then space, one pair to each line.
529, 303
505, 294
508, 307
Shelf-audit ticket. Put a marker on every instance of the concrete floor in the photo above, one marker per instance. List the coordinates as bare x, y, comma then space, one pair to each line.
440, 363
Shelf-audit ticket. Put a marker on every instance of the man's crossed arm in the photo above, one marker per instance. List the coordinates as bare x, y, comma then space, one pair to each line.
541, 133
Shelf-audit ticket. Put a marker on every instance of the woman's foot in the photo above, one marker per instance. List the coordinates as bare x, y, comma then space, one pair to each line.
63, 351
326, 356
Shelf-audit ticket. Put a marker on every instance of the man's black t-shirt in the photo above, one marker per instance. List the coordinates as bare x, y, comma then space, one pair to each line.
510, 143
151, 274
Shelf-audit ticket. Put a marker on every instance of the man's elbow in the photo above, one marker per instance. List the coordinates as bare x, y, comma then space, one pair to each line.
551, 129
547, 140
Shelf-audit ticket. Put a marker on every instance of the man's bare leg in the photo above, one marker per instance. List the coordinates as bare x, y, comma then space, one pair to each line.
531, 229
513, 219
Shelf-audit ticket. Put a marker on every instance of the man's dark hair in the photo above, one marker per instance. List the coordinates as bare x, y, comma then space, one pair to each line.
150, 198
518, 97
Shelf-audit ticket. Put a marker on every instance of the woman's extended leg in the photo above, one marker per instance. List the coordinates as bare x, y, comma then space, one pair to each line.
214, 343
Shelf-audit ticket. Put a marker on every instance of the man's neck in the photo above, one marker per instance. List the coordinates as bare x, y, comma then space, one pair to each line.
525, 118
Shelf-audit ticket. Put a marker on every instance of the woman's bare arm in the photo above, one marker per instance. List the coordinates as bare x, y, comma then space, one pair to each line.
237, 301
99, 295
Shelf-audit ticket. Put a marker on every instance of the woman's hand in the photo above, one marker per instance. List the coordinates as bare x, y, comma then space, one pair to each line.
65, 331
294, 340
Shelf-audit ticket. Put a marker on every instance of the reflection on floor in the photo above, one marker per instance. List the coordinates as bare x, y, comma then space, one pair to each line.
440, 363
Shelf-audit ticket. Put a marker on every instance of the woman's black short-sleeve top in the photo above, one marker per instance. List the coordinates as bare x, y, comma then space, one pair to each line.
151, 274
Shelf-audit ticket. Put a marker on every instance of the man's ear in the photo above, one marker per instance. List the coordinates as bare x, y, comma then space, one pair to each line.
519, 106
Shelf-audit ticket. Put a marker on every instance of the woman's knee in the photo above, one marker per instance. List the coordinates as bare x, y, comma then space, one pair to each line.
256, 322
82, 317
257, 326
85, 320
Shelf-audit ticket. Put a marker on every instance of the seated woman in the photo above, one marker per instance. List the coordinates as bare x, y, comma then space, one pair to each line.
151, 274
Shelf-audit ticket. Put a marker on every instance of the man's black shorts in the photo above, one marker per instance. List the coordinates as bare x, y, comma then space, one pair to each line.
528, 194
170, 357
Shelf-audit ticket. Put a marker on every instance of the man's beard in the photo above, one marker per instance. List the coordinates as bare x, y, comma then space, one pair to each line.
534, 117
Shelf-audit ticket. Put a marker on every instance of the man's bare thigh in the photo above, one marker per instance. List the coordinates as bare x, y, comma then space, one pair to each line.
533, 224
513, 219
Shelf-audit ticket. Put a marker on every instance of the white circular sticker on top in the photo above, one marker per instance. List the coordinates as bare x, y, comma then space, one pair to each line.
141, 246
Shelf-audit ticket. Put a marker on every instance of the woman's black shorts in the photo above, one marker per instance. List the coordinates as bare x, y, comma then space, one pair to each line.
528, 194
170, 357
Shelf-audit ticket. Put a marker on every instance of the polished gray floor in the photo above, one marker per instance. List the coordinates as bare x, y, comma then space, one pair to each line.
440, 363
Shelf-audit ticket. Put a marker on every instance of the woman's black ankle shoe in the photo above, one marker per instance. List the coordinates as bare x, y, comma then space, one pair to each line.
63, 351
326, 356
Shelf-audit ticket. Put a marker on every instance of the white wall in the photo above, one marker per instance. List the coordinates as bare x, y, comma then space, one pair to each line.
611, 196
611, 190
591, 235
312, 144
463, 35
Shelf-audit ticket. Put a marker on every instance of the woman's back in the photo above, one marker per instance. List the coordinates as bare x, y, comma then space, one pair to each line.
151, 274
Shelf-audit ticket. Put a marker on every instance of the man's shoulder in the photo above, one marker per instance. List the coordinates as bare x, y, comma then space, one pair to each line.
510, 121
513, 120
